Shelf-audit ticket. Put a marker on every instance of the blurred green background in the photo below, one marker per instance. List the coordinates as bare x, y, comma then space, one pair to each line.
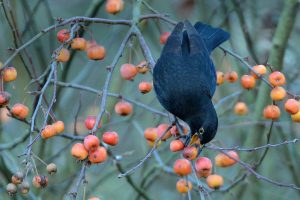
252, 25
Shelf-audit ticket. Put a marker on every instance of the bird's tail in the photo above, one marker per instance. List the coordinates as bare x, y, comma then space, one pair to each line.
212, 37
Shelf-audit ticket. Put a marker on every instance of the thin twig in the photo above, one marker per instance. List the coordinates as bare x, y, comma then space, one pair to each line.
121, 175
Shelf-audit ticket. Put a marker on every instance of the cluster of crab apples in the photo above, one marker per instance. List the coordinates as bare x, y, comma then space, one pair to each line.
183, 166
276, 79
19, 182
203, 168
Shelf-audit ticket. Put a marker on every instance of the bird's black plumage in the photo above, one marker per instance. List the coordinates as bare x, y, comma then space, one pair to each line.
185, 78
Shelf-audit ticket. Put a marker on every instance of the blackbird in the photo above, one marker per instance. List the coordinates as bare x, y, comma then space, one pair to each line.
184, 77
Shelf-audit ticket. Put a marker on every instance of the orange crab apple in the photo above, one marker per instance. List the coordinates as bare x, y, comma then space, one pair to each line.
91, 142
223, 160
240, 108
231, 76
63, 35
79, 151
20, 111
203, 166
128, 71
271, 112
292, 106
259, 69
9, 74
145, 87
78, 44
183, 186
110, 137
214, 181
98, 156
176, 145
277, 78
278, 93
182, 167
248, 82
123, 108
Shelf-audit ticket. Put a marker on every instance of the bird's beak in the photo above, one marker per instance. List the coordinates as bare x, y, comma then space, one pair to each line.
195, 140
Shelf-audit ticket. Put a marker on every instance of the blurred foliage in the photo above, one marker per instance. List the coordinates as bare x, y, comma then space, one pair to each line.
261, 18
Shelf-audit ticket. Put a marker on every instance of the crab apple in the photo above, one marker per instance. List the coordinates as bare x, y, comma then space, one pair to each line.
48, 132
231, 76
128, 71
271, 112
4, 98
78, 44
51, 168
164, 37
278, 93
223, 160
63, 55
183, 186
63, 35
91, 142
248, 82
114, 6
151, 134
25, 187
176, 145
240, 108
90, 122
220, 78
142, 67
277, 78
98, 156
111, 138
259, 69
203, 166
145, 87
96, 52
11, 189
59, 126
296, 117
190, 152
79, 151
182, 167
292, 106
161, 129
123, 108
20, 111
214, 181
9, 74
17, 178
40, 181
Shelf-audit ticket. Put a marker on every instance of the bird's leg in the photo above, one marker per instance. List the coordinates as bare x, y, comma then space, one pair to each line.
187, 139
178, 126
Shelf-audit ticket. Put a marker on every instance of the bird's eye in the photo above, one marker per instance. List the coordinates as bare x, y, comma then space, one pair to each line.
201, 131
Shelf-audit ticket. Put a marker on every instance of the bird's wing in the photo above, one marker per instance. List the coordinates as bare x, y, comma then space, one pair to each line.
200, 53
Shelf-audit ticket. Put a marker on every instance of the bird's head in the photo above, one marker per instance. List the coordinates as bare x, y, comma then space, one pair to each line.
205, 125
